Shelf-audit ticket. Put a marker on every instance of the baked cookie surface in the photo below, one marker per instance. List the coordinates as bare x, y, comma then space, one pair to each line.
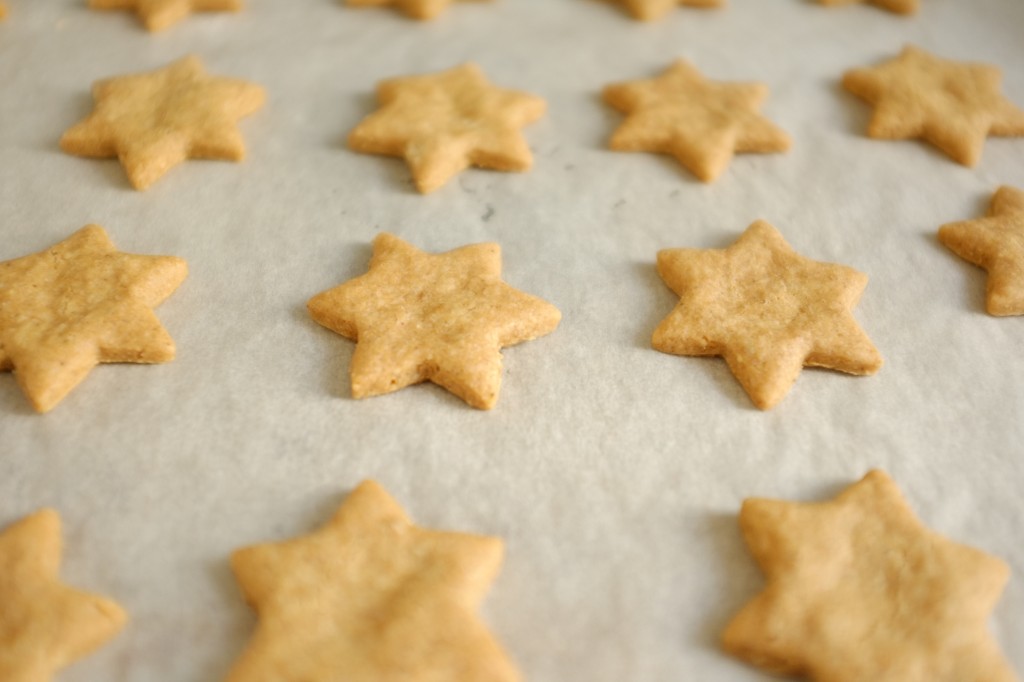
443, 123
442, 318
649, 10
417, 9
77, 304
154, 121
858, 588
767, 310
157, 15
371, 597
45, 625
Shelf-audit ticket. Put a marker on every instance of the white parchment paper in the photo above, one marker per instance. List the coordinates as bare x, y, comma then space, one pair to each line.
613, 472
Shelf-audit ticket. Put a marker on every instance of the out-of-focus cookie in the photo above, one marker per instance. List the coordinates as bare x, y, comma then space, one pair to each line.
953, 105
897, 6
153, 121
767, 310
45, 625
159, 14
417, 9
699, 122
649, 10
371, 597
445, 122
858, 589
432, 317
77, 304
996, 243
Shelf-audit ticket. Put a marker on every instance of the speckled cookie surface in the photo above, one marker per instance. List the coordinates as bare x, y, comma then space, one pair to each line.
858, 588
432, 317
77, 304
154, 121
953, 105
996, 243
45, 625
445, 122
767, 310
160, 14
371, 597
699, 122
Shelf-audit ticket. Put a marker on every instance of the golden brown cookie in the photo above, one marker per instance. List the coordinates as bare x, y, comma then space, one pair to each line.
445, 122
159, 14
3, 11
952, 105
649, 10
79, 303
45, 625
700, 122
154, 121
432, 317
897, 6
767, 310
858, 589
996, 243
370, 597
417, 9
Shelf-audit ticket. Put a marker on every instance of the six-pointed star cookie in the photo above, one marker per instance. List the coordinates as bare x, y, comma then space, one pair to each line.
996, 243
44, 624
445, 122
649, 10
79, 303
154, 121
953, 105
159, 14
432, 317
897, 6
698, 121
371, 597
858, 589
767, 310
417, 9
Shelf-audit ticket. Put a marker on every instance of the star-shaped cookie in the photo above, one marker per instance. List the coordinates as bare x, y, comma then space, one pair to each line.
996, 243
649, 10
45, 625
858, 589
432, 317
952, 105
767, 310
700, 122
79, 303
897, 6
417, 9
370, 597
154, 121
445, 122
159, 14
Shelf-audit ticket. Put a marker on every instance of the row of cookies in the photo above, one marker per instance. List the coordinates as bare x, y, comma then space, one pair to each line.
442, 123
445, 317
857, 589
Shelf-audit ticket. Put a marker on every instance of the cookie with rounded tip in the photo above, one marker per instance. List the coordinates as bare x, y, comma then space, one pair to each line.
157, 15
154, 121
45, 625
857, 588
700, 122
650, 10
953, 105
443, 123
417, 9
442, 318
896, 6
368, 597
77, 304
996, 243
767, 310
